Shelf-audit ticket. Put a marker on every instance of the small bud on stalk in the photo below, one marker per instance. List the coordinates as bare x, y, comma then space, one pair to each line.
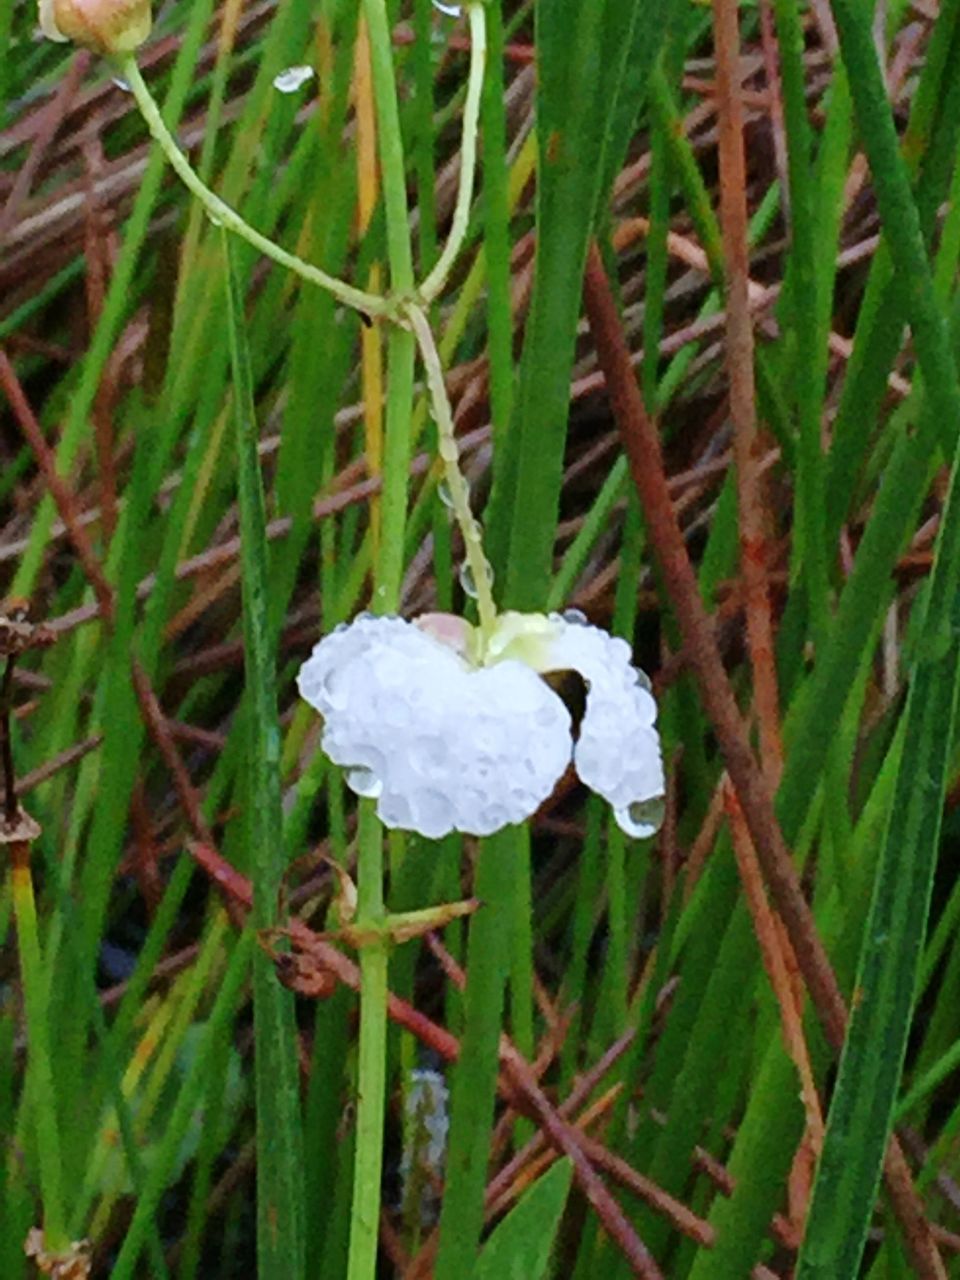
105, 26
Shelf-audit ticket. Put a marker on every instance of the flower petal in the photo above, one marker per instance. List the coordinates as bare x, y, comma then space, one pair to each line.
618, 750
444, 747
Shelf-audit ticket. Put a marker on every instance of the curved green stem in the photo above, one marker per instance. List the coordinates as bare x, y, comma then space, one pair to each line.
449, 456
370, 304
437, 278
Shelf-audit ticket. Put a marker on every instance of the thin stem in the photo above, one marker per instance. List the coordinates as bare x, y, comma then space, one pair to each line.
748, 446
449, 455
437, 278
43, 1092
371, 1065
367, 303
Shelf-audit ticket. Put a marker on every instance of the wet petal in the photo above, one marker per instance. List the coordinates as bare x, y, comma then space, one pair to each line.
618, 751
451, 747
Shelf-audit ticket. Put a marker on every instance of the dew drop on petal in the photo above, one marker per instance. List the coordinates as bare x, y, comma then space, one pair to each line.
364, 782
121, 83
292, 79
643, 818
575, 616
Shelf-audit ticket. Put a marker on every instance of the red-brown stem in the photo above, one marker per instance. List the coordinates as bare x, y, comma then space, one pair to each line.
67, 507
97, 254
59, 489
642, 446
780, 965
748, 446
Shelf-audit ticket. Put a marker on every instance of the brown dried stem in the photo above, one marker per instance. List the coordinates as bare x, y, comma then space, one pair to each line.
748, 445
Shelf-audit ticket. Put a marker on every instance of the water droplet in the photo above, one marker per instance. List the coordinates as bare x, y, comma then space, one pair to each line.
292, 79
214, 222
121, 84
446, 497
645, 817
576, 617
364, 782
467, 581
451, 10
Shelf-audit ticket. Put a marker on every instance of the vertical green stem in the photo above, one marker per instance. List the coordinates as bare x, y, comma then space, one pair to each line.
40, 1072
371, 1070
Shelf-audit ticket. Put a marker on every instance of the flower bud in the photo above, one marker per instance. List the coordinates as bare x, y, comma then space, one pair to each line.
105, 26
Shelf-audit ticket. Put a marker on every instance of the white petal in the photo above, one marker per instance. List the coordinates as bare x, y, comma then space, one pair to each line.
618, 751
451, 747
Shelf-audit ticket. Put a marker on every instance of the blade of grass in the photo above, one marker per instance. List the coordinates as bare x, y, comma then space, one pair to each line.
575, 43
861, 1112
279, 1160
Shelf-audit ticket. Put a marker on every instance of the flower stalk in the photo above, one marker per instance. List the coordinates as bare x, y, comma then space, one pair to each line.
450, 458
434, 283
368, 304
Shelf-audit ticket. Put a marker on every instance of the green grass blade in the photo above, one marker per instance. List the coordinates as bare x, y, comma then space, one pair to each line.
279, 1185
521, 1244
861, 1112
576, 114
474, 1084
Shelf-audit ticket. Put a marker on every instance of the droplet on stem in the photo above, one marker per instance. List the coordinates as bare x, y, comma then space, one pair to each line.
468, 582
446, 496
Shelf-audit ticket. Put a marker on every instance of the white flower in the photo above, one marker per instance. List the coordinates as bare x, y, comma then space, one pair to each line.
451, 731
